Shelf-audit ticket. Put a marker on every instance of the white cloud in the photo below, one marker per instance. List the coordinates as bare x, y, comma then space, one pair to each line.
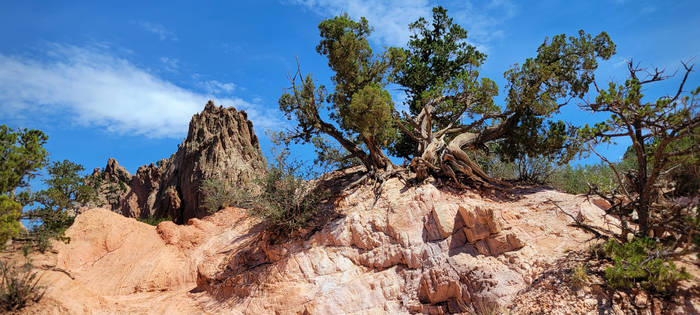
158, 30
390, 19
170, 64
96, 89
218, 88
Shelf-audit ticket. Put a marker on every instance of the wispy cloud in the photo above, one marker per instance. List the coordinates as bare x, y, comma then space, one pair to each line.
214, 87
94, 88
158, 30
170, 64
390, 19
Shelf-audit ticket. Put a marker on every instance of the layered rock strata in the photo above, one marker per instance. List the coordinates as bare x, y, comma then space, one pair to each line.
409, 250
220, 144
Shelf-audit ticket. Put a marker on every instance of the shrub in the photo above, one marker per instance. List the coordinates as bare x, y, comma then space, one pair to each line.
641, 262
286, 202
494, 165
576, 180
579, 276
218, 194
281, 197
19, 286
153, 220
534, 170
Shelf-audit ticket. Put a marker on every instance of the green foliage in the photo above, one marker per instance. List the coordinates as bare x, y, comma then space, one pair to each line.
563, 69
641, 262
578, 179
154, 220
22, 155
218, 194
55, 206
285, 201
493, 165
534, 170
436, 55
19, 286
575, 180
437, 62
664, 135
359, 103
372, 102
10, 212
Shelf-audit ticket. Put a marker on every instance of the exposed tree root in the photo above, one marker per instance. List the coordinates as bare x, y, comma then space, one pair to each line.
448, 159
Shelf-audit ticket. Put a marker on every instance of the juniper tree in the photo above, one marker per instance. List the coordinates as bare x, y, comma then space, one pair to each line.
359, 107
22, 156
453, 110
665, 134
437, 54
56, 206
451, 106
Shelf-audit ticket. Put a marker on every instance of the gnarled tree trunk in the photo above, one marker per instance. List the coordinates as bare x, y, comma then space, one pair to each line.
449, 159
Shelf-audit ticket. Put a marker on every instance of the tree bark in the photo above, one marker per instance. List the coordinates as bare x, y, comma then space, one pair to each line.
449, 159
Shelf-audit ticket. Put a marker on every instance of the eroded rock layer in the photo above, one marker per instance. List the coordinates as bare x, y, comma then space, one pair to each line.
409, 250
220, 144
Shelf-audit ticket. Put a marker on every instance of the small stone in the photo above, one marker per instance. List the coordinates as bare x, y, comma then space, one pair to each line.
478, 232
498, 244
482, 247
468, 215
514, 241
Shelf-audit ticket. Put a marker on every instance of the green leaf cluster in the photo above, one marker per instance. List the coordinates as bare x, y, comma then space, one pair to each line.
562, 70
10, 212
437, 58
55, 207
359, 103
438, 61
22, 155
640, 262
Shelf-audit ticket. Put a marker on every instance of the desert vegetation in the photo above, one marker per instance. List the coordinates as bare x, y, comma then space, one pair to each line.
450, 130
282, 197
454, 130
48, 212
19, 286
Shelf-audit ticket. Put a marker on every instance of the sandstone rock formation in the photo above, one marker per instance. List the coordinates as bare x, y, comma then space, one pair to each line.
220, 144
411, 250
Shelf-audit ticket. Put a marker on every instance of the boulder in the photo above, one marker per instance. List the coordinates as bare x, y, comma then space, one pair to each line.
445, 216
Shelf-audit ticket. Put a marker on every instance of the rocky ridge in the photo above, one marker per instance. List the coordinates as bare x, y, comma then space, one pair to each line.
220, 143
418, 249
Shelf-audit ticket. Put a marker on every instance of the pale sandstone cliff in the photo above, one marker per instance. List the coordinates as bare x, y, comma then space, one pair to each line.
411, 250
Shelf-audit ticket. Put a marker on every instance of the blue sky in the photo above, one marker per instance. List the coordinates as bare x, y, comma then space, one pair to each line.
122, 79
